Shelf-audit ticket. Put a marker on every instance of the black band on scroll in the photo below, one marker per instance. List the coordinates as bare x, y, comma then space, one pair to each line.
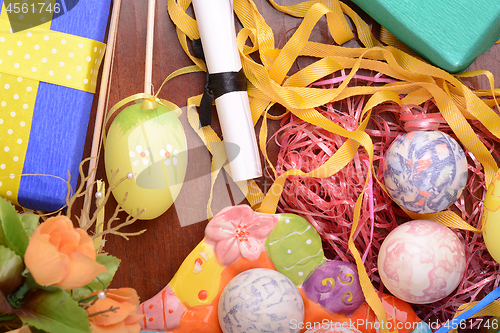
217, 84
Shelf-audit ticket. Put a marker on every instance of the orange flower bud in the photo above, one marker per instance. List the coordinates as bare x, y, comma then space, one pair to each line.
60, 255
116, 312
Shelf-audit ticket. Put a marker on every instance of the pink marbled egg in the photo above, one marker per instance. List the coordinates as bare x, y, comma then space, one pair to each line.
421, 261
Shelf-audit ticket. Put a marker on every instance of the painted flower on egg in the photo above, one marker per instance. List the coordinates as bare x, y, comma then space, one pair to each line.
139, 156
151, 145
170, 155
239, 232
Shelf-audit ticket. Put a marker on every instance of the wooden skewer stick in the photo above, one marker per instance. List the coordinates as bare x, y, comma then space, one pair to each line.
101, 105
149, 47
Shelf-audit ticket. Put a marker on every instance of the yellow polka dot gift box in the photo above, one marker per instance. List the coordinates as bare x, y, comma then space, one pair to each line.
50, 54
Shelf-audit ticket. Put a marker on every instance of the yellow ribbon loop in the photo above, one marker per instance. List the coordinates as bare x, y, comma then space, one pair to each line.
177, 12
149, 100
263, 35
293, 47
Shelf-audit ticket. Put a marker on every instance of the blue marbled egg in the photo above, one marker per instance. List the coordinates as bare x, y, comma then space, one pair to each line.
425, 171
260, 300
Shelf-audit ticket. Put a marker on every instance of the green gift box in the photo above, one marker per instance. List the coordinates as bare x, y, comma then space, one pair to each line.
449, 34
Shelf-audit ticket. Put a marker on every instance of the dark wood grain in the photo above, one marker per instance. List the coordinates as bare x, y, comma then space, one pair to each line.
150, 260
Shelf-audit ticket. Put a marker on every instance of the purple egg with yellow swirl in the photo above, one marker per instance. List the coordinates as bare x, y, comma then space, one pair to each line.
335, 286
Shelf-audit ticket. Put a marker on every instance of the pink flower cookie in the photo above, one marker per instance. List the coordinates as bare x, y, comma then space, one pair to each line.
239, 232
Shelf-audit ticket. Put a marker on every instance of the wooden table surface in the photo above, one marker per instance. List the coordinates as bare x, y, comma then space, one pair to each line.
150, 260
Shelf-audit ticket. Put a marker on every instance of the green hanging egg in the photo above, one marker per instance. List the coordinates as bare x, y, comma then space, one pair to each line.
148, 146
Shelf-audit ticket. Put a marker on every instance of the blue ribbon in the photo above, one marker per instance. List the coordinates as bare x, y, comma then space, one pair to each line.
455, 322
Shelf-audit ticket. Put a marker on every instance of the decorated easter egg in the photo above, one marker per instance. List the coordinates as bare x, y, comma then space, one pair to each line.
295, 247
421, 261
335, 286
147, 147
260, 300
491, 218
425, 171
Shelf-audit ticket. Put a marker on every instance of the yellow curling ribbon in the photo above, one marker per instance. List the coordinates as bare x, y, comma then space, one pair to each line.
417, 83
147, 99
26, 58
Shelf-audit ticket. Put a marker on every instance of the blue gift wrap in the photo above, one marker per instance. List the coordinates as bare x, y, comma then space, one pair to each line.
60, 119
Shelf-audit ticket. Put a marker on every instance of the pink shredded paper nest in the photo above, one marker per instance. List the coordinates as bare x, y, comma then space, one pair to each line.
328, 203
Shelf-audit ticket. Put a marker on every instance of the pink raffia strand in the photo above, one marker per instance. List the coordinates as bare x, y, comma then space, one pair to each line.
328, 203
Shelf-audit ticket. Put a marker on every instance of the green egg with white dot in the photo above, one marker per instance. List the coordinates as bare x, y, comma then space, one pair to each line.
295, 247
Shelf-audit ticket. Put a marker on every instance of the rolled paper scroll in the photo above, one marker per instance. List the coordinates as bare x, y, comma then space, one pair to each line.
218, 37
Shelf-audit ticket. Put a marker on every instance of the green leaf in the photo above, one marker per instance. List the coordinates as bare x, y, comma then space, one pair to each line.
54, 312
111, 264
102, 281
13, 233
30, 283
30, 222
11, 268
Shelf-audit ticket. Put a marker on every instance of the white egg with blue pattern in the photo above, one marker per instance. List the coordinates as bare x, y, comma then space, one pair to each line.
260, 300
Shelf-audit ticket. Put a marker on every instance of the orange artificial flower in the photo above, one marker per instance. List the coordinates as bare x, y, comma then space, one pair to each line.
116, 312
60, 255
